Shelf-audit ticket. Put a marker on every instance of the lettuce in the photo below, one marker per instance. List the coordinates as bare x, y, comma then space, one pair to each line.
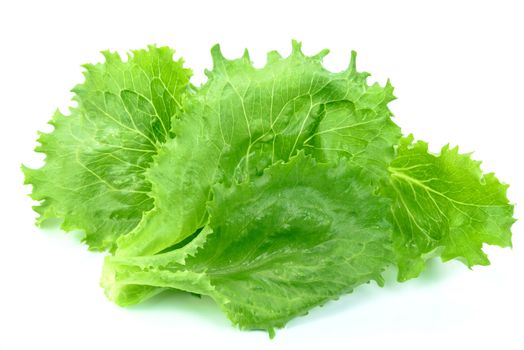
96, 157
274, 247
445, 205
244, 120
270, 190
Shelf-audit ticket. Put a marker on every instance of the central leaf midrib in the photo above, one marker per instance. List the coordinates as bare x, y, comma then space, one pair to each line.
396, 173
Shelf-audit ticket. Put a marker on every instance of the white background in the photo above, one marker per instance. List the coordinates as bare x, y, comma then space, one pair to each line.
458, 70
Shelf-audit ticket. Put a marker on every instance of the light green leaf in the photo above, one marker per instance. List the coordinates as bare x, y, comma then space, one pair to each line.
444, 202
245, 119
275, 247
93, 176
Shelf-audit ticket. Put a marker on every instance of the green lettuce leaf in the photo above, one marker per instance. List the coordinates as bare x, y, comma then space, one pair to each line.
244, 119
275, 247
444, 205
93, 177
270, 190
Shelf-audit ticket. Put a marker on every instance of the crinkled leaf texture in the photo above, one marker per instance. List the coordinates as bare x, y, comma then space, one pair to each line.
443, 204
275, 247
270, 190
245, 119
93, 176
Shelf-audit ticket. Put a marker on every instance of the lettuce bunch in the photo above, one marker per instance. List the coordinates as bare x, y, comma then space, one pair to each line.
271, 190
